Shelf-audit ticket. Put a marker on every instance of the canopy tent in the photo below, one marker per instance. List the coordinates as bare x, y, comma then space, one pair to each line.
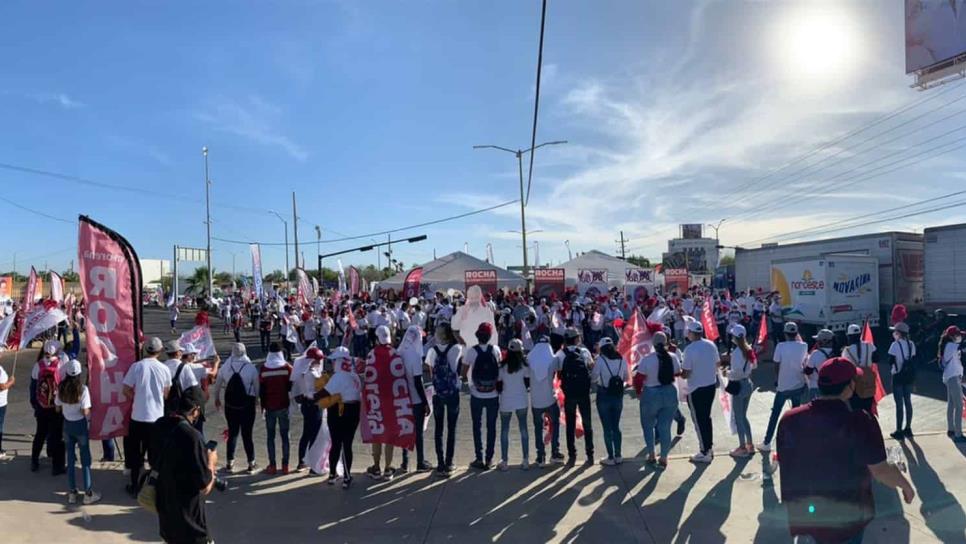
448, 272
597, 260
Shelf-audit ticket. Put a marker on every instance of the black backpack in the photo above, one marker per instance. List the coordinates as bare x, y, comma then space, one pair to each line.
574, 377
906, 374
236, 395
176, 391
486, 370
615, 385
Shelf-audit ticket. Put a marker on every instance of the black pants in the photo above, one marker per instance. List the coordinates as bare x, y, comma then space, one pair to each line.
136, 447
288, 348
446, 411
241, 420
571, 405
419, 414
265, 338
50, 430
237, 334
311, 421
342, 431
700, 401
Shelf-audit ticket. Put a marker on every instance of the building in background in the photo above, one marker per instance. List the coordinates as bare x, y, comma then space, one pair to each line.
692, 251
152, 270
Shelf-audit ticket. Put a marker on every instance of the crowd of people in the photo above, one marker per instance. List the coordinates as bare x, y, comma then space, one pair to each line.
540, 361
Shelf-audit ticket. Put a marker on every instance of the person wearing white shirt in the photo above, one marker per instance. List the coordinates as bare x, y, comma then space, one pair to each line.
574, 364
609, 375
950, 360
790, 357
180, 370
481, 365
326, 326
74, 402
240, 407
444, 359
542, 363
305, 371
411, 351
148, 381
902, 355
823, 352
741, 361
860, 354
513, 382
342, 415
700, 369
6, 382
654, 382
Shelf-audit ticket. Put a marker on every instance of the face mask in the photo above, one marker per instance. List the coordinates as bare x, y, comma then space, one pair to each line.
897, 336
958, 339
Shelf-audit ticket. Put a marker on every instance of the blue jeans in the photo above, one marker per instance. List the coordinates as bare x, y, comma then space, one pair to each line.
477, 407
280, 417
739, 406
903, 396
658, 406
553, 412
419, 414
3, 415
609, 408
446, 411
812, 394
505, 434
76, 434
109, 450
781, 397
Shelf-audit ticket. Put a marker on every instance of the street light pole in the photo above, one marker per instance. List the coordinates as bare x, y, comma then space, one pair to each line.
523, 214
285, 224
204, 151
318, 249
295, 230
570, 256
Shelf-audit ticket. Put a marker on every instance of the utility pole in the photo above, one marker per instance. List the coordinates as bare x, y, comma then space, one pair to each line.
318, 249
622, 242
389, 250
174, 276
295, 229
204, 151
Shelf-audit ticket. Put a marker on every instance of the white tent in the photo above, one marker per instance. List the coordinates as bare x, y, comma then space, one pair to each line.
597, 260
448, 272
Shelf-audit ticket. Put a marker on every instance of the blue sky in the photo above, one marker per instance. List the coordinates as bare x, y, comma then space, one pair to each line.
369, 110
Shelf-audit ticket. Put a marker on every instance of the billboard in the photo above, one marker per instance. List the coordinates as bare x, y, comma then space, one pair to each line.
676, 279
484, 279
592, 282
935, 32
691, 231
694, 259
638, 275
6, 287
549, 282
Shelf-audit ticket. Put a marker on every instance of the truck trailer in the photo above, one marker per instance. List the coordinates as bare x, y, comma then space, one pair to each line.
831, 291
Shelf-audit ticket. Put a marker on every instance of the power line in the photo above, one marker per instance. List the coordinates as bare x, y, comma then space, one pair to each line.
384, 232
536, 101
36, 212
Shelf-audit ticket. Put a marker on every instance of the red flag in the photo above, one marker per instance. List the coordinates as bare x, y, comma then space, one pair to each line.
879, 390
111, 280
727, 294
707, 321
762, 331
867, 334
635, 342
387, 410
354, 280
411, 285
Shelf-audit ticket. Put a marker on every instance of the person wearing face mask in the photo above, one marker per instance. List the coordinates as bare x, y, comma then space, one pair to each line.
950, 361
609, 374
444, 360
823, 352
45, 378
741, 361
902, 355
860, 353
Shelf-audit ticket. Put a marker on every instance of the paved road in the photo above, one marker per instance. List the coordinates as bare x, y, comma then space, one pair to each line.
630, 504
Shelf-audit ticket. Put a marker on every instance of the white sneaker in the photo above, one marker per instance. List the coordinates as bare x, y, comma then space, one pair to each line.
764, 446
702, 458
503, 466
525, 465
92, 498
607, 462
72, 497
618, 460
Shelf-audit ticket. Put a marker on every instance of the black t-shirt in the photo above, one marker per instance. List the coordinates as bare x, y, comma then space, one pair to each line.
178, 454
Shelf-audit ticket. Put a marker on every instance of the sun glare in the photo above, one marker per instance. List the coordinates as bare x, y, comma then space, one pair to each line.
818, 41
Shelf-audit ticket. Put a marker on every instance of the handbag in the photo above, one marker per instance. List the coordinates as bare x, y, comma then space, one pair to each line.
733, 387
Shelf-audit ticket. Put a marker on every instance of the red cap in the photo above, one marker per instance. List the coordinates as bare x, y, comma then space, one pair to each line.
952, 330
485, 328
315, 353
837, 371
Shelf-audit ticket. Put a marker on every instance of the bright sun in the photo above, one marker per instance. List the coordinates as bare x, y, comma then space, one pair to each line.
818, 41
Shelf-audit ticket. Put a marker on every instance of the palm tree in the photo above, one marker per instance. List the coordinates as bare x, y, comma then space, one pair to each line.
198, 281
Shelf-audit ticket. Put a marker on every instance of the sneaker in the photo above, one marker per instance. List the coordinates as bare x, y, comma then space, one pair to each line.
403, 469
228, 468
131, 491
450, 468
650, 460
389, 473
285, 470
607, 462
541, 463
251, 468
950, 434
739, 453
57, 471
442, 472
72, 497
478, 465
764, 446
92, 497
503, 466
300, 467
525, 465
270, 470
346, 482
571, 460
898, 435
661, 464
374, 472
423, 467
557, 457
3, 455
680, 427
701, 458
618, 460
331, 480
907, 433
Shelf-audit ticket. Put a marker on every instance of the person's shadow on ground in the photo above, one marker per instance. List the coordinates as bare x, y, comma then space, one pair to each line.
941, 511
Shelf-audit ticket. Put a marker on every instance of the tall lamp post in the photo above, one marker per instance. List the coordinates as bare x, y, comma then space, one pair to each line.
318, 248
523, 217
717, 240
285, 224
204, 151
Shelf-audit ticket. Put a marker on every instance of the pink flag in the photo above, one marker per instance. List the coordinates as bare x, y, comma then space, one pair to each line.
110, 277
413, 280
56, 287
200, 338
39, 320
353, 280
635, 342
30, 293
707, 321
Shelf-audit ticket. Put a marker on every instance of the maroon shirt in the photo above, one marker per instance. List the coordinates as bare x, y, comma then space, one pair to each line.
824, 450
274, 385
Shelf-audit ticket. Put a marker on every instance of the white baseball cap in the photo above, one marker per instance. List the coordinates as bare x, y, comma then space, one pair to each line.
738, 330
383, 334
695, 326
73, 368
853, 329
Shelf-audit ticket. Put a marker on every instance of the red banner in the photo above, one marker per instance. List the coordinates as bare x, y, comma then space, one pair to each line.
708, 322
110, 277
411, 285
386, 406
676, 279
354, 282
484, 279
6, 287
549, 281
635, 342
30, 292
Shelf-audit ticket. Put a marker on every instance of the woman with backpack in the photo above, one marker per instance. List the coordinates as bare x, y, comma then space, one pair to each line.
239, 378
610, 373
74, 402
44, 379
742, 361
481, 364
860, 353
513, 384
902, 360
444, 359
950, 361
654, 382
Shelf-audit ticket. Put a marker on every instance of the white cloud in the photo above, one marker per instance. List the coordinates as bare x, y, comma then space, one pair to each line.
253, 118
62, 100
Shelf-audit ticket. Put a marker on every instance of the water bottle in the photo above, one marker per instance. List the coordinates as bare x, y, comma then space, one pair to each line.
896, 457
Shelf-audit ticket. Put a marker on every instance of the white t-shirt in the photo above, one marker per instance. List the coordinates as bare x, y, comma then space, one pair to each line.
815, 360
3, 380
249, 376
740, 366
951, 361
514, 395
863, 359
541, 391
605, 368
701, 358
453, 356
187, 377
346, 384
791, 358
414, 368
902, 353
650, 365
149, 378
75, 412
469, 359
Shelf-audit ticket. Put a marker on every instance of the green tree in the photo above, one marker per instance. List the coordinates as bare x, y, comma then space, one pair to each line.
70, 275
275, 276
197, 281
223, 279
640, 261
167, 283
727, 260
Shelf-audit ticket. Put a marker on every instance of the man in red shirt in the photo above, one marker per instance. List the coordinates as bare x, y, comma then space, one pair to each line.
828, 456
274, 386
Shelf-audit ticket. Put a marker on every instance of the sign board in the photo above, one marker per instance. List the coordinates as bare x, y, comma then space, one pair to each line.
592, 282
691, 231
190, 254
548, 282
484, 279
6, 287
934, 33
676, 279
638, 275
